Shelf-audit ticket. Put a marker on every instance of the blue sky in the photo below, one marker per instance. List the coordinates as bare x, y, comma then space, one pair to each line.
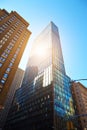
71, 18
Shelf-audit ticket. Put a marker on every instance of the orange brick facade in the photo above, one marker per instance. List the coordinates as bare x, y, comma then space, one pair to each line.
13, 39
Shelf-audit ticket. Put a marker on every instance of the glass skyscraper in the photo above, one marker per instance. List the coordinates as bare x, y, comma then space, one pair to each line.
44, 98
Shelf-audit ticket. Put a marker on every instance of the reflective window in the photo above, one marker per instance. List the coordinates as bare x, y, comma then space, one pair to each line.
62, 94
5, 75
2, 81
47, 76
8, 70
0, 64
2, 59
4, 54
11, 64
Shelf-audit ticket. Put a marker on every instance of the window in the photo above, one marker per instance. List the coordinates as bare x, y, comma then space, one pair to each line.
2, 81
47, 76
5, 75
2, 59
11, 64
8, 70
4, 54
13, 60
9, 46
15, 55
7, 51
0, 64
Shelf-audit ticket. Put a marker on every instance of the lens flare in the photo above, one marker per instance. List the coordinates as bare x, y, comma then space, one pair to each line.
40, 52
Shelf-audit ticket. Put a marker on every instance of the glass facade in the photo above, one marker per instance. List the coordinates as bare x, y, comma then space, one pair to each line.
63, 103
63, 98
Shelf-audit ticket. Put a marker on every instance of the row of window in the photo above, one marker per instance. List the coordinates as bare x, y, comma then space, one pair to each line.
10, 46
44, 64
6, 37
5, 76
61, 78
62, 92
45, 78
9, 33
3, 16
6, 53
40, 102
6, 24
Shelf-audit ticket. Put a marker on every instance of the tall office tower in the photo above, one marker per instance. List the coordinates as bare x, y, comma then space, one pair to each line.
44, 98
13, 39
79, 92
14, 86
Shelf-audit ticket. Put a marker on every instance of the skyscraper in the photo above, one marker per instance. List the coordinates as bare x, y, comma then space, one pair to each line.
44, 98
16, 83
13, 39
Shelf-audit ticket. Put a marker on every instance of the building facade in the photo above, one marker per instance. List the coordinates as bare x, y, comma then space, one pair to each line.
44, 98
79, 92
14, 86
13, 39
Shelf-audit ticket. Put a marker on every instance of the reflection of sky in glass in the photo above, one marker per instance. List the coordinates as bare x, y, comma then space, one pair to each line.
63, 100
41, 51
42, 42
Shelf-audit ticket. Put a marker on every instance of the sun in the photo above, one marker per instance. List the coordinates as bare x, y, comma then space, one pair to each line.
40, 52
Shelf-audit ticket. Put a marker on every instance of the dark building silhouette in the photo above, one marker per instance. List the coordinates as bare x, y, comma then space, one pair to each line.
14, 86
44, 98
